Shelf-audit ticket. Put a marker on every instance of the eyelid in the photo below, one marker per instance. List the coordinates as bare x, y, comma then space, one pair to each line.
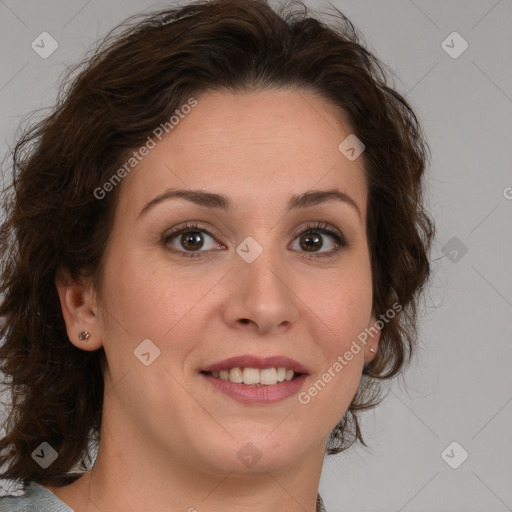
186, 227
321, 226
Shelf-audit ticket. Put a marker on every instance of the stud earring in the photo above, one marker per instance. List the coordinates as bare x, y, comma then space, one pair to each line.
372, 350
84, 336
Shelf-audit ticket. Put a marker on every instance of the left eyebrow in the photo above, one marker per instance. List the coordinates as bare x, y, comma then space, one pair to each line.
316, 197
219, 201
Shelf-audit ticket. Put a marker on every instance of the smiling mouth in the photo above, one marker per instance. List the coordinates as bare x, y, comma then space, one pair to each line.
255, 376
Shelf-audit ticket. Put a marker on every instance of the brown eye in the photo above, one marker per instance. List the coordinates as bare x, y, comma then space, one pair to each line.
313, 239
190, 240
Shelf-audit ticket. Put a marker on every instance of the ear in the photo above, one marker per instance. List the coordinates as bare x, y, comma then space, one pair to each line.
80, 311
372, 342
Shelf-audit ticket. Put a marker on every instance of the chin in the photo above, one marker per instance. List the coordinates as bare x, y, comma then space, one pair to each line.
257, 454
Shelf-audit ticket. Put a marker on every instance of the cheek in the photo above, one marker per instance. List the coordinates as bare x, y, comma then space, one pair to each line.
343, 311
345, 304
142, 299
143, 305
149, 300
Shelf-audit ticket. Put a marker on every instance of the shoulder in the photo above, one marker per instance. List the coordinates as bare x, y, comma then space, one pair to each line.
35, 499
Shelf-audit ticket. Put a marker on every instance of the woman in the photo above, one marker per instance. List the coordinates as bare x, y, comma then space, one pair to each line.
213, 253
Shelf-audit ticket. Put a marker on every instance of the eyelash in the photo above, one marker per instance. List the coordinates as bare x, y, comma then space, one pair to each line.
318, 227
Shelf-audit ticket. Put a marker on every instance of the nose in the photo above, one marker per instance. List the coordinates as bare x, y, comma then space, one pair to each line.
263, 296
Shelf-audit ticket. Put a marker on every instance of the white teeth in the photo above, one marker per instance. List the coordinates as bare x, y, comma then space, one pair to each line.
236, 375
251, 376
268, 376
255, 376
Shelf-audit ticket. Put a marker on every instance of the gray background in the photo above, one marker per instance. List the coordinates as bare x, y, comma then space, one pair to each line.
460, 387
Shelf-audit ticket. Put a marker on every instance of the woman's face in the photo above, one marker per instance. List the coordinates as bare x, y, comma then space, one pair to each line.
241, 283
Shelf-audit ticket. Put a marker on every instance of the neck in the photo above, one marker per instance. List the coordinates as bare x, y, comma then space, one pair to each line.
123, 479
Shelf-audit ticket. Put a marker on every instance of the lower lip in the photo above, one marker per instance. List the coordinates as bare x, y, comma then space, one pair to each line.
257, 394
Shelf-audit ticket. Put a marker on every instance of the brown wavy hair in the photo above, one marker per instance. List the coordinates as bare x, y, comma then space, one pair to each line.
140, 73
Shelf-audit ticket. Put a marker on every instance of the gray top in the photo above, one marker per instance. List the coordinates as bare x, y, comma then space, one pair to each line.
39, 499
35, 499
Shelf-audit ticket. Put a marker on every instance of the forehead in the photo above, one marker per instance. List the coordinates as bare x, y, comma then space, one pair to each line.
257, 148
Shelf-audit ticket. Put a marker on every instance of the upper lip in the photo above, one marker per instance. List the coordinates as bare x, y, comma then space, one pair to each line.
249, 361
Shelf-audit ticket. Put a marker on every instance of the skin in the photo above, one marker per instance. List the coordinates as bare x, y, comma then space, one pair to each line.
169, 439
